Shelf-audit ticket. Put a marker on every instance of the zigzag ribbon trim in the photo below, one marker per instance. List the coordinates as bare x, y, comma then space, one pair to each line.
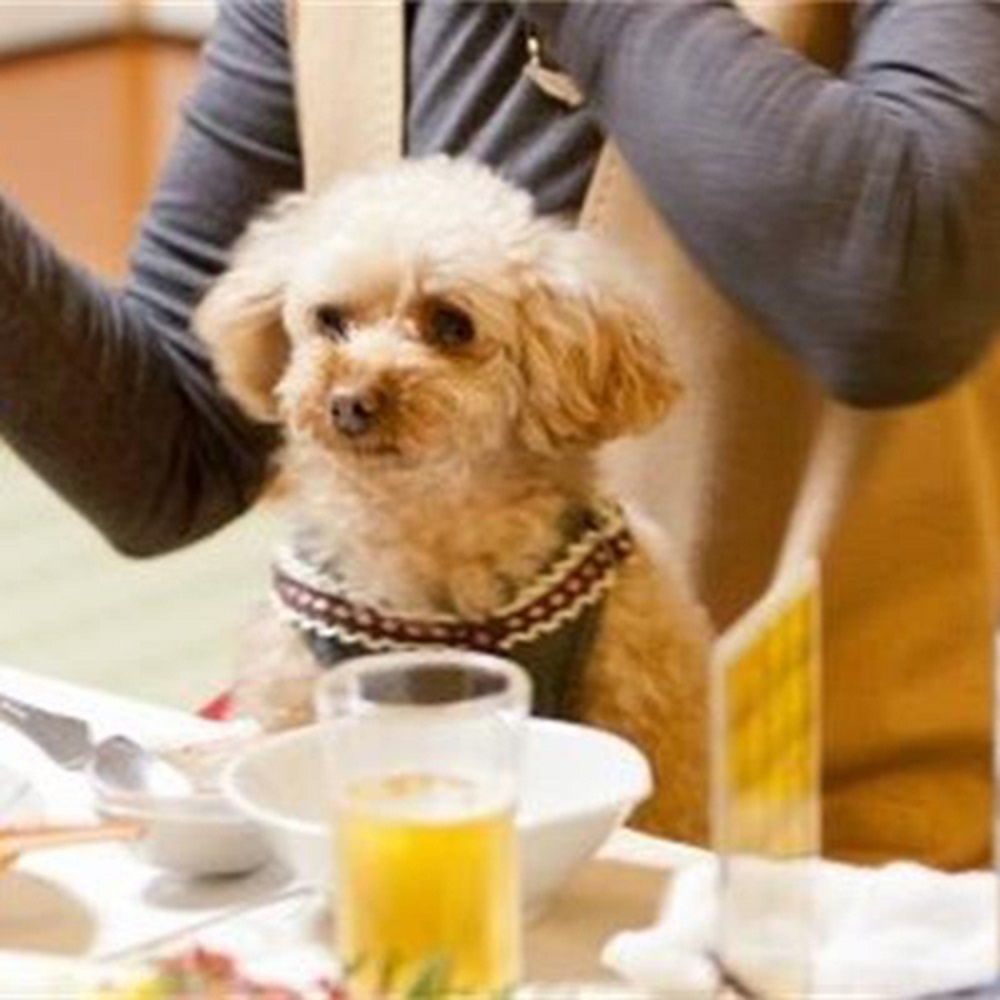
318, 602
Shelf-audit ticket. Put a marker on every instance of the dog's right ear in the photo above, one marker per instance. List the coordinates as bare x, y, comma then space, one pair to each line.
240, 318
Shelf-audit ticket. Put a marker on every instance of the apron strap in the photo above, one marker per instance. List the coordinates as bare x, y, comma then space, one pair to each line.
821, 31
845, 437
350, 66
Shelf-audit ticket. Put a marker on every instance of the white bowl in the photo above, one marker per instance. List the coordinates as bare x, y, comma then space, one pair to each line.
579, 785
195, 836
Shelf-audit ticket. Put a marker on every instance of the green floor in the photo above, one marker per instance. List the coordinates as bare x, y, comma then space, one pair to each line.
161, 629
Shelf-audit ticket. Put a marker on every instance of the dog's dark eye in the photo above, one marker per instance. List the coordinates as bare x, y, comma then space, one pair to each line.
450, 327
332, 321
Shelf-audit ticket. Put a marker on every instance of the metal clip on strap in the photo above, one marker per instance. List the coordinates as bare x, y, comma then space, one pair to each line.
553, 82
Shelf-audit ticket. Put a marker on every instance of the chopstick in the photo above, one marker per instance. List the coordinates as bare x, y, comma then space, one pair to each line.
18, 840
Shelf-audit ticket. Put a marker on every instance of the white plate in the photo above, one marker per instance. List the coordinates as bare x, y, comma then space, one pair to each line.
579, 786
44, 977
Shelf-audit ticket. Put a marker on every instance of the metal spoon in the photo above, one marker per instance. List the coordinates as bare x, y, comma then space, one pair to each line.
118, 763
189, 831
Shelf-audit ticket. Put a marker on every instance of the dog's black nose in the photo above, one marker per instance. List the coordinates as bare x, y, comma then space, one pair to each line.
354, 413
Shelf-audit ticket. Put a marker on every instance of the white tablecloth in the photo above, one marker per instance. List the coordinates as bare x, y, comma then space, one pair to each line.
100, 902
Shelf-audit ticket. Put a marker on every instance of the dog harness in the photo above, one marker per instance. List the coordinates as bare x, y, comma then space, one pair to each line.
548, 628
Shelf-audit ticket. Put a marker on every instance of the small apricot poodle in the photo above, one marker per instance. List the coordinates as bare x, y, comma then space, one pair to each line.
444, 365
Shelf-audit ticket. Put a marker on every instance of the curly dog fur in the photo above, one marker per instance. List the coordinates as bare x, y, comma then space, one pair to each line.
445, 365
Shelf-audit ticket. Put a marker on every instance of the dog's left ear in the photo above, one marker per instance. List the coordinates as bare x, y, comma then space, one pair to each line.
593, 357
240, 319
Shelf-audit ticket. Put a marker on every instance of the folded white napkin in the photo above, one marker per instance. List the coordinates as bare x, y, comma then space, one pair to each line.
899, 931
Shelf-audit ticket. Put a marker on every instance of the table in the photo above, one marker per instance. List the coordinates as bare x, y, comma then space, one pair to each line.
100, 902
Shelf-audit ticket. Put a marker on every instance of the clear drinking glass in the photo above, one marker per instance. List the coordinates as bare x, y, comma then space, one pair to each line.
422, 753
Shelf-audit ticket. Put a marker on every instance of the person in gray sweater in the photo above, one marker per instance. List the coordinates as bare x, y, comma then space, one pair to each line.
870, 248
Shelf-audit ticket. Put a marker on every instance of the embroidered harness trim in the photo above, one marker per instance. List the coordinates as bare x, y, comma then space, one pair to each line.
317, 602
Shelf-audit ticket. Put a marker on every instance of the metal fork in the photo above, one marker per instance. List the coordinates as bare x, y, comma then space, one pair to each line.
117, 763
65, 740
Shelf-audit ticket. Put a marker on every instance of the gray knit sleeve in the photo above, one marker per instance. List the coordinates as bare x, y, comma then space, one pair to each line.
105, 391
858, 217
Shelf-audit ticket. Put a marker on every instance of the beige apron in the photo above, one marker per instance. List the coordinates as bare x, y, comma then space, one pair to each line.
903, 508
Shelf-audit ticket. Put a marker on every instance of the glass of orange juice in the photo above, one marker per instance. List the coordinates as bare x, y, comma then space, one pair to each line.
422, 754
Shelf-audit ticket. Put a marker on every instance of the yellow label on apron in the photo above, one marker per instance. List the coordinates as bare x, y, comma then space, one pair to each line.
766, 784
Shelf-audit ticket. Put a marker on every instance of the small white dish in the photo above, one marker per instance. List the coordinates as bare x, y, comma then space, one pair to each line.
579, 785
194, 836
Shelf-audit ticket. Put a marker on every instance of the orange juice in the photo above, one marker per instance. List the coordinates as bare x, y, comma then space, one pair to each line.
428, 886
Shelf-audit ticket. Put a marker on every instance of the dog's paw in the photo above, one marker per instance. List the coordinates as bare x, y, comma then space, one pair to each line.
276, 675
276, 703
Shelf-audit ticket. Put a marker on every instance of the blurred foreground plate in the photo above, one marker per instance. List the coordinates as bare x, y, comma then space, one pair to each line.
44, 977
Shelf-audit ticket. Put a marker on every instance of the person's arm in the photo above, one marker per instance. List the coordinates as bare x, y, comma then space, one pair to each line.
858, 217
106, 392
